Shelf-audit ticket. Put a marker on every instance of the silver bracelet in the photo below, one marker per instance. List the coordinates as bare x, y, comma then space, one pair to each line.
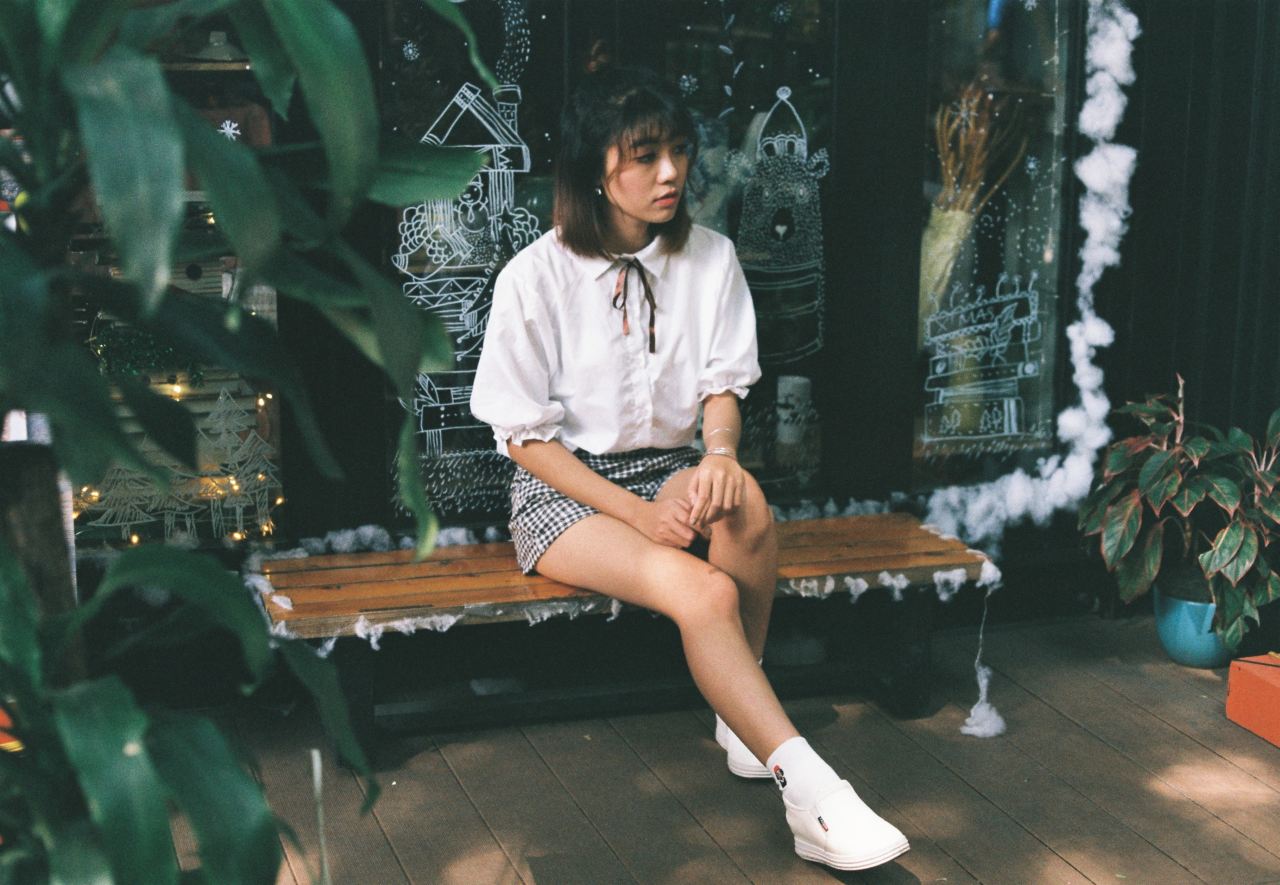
723, 450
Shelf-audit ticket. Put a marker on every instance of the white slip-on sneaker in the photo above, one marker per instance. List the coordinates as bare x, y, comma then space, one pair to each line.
742, 761
842, 832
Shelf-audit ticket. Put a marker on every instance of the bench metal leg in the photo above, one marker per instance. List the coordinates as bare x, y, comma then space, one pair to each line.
907, 678
354, 660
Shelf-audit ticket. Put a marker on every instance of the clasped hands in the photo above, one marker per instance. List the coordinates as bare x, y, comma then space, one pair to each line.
714, 492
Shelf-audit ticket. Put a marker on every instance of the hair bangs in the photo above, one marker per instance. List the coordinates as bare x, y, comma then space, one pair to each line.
625, 108
645, 121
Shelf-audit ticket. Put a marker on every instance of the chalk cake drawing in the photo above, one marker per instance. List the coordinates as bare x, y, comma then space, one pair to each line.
982, 347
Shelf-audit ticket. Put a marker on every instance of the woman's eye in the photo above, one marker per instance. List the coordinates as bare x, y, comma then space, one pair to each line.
680, 150
645, 158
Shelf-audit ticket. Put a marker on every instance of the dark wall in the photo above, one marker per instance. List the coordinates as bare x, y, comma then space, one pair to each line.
871, 383
1197, 291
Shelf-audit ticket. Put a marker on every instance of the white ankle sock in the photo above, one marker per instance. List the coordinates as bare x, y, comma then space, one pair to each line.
800, 772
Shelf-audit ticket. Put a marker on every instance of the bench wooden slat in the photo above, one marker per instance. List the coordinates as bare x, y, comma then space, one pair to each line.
330, 592
378, 571
440, 594
398, 571
792, 564
341, 560
797, 533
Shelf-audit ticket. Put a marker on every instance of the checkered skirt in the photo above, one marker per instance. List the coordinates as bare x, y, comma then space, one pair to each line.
539, 514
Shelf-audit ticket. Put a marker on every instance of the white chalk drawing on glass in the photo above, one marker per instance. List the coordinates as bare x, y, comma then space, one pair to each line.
450, 251
232, 493
982, 346
987, 280
780, 237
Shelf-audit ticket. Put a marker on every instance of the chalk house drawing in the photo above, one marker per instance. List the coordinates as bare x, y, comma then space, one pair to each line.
450, 251
780, 237
981, 346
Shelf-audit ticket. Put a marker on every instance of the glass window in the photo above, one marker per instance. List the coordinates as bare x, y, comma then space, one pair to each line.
990, 263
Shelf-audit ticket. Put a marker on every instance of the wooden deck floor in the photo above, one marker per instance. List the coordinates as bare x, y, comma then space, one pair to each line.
1117, 766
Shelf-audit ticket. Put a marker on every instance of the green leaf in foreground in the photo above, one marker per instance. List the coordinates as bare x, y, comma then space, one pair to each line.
326, 52
449, 11
410, 172
195, 578
241, 196
135, 159
412, 493
198, 326
103, 733
271, 66
320, 678
164, 420
225, 806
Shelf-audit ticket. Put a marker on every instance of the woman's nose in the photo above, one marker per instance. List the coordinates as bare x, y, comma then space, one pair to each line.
668, 168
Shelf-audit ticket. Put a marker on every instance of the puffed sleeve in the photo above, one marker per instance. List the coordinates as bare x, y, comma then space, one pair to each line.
732, 362
511, 392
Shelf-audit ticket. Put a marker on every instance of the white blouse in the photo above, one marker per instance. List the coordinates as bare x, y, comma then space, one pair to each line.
556, 363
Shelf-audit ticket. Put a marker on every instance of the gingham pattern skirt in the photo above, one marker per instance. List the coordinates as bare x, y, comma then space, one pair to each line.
539, 514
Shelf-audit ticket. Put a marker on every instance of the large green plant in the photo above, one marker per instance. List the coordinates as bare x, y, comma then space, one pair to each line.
88, 797
1217, 491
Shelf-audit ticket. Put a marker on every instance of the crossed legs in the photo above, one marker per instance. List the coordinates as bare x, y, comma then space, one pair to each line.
721, 607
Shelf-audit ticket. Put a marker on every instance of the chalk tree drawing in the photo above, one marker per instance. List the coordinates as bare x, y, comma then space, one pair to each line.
232, 491
450, 251
780, 237
981, 345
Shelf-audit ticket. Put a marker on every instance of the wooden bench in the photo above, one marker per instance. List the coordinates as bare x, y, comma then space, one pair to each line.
364, 594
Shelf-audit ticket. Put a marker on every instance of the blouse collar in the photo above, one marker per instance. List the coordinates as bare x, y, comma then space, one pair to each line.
652, 257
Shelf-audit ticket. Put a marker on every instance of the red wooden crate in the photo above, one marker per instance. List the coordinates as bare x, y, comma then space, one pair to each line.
1253, 695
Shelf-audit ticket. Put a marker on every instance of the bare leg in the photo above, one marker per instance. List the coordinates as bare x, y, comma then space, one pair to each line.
606, 555
744, 545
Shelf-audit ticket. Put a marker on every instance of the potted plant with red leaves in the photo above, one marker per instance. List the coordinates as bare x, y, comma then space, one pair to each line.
1196, 512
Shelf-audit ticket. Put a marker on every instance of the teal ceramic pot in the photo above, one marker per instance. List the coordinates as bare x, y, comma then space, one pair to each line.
1186, 631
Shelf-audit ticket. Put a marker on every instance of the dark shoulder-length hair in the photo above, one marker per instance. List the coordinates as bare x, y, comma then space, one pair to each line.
614, 107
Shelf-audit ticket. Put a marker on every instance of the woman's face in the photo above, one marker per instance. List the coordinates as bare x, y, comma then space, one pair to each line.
644, 184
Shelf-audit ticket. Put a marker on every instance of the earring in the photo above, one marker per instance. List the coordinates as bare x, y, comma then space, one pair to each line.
599, 191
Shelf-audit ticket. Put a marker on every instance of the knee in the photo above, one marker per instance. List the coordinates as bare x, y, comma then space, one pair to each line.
713, 597
752, 523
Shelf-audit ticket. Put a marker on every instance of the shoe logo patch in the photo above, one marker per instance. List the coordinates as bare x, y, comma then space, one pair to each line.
779, 776
825, 828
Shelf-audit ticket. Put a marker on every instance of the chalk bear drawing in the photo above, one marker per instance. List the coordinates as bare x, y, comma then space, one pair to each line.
780, 237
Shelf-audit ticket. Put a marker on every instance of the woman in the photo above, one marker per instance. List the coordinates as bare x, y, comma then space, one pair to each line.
606, 337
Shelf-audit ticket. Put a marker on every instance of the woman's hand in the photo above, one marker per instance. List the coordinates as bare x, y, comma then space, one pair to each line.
716, 490
666, 522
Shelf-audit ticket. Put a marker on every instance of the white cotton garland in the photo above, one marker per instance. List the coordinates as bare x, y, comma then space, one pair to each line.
981, 513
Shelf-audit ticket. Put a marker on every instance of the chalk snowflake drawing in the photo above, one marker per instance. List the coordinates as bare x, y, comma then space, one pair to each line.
231, 129
780, 239
410, 51
450, 251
